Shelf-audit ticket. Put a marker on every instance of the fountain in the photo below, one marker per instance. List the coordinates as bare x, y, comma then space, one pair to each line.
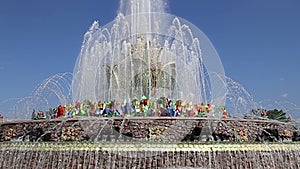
146, 52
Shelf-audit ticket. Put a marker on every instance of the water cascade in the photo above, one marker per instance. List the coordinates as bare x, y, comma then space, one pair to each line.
147, 52
128, 155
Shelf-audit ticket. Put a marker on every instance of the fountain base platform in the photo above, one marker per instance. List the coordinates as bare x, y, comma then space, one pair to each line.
167, 129
148, 142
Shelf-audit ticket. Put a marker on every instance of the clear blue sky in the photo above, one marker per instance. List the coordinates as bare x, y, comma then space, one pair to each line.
258, 41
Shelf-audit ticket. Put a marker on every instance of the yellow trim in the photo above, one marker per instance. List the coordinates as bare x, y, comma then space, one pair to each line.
147, 146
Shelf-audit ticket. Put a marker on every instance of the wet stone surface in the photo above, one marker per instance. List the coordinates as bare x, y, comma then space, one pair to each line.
148, 129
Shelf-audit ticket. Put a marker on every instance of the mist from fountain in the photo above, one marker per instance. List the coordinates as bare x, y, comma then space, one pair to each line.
147, 52
53, 91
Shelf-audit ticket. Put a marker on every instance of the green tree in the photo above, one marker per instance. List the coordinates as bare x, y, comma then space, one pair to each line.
277, 115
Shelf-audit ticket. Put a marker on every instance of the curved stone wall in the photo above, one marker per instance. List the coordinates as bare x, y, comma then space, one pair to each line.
148, 129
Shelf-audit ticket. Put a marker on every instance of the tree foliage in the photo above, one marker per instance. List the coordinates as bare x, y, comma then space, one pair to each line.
275, 114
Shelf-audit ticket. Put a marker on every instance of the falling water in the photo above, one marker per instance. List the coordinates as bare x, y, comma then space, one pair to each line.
147, 52
53, 91
87, 155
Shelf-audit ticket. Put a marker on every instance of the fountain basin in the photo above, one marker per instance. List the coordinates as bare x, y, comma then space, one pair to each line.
150, 155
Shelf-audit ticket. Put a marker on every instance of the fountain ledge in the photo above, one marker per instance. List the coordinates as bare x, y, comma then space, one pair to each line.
144, 129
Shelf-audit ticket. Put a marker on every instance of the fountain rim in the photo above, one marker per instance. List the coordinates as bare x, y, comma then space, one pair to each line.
148, 146
94, 118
